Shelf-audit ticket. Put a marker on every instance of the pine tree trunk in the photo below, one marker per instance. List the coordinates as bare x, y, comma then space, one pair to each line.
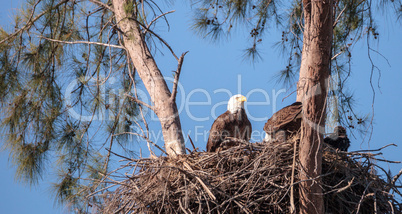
312, 92
164, 104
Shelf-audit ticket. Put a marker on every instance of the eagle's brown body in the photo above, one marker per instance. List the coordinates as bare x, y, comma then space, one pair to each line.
287, 119
229, 124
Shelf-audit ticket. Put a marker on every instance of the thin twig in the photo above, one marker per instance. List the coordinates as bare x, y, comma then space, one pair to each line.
375, 150
83, 42
395, 178
156, 35
164, 14
140, 102
191, 141
145, 138
201, 182
338, 18
176, 77
120, 156
181, 207
102, 4
336, 55
362, 197
292, 201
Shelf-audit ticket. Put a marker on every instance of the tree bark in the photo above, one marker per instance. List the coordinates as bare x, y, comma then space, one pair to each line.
164, 103
312, 92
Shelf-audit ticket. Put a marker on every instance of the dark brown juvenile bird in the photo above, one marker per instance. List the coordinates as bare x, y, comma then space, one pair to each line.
338, 139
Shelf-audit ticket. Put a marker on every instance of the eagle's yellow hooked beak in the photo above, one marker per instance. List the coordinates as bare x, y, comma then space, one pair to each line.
242, 99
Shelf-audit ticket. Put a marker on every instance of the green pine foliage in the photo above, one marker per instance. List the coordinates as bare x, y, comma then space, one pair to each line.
38, 67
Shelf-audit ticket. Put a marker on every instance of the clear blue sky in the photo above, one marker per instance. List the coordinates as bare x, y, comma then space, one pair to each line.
210, 69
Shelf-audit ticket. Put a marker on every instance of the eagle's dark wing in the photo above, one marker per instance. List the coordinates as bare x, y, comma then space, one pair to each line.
220, 129
229, 125
288, 118
245, 126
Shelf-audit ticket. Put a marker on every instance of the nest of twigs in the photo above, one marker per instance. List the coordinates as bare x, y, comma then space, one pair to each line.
250, 178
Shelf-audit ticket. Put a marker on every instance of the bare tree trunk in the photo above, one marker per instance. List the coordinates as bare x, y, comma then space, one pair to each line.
164, 103
312, 92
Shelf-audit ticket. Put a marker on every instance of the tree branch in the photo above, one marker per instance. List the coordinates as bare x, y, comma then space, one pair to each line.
120, 156
336, 55
141, 102
145, 138
102, 4
339, 17
396, 177
156, 35
164, 14
83, 42
176, 77
375, 150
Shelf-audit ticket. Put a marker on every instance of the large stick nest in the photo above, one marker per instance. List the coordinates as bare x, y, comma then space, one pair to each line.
250, 178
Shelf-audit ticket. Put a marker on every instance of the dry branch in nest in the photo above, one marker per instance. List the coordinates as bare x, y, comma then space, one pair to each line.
249, 178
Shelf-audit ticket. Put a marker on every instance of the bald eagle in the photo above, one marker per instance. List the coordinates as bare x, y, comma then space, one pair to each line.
284, 122
232, 123
338, 139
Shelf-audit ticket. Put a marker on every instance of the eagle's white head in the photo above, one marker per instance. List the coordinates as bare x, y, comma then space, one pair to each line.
236, 103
